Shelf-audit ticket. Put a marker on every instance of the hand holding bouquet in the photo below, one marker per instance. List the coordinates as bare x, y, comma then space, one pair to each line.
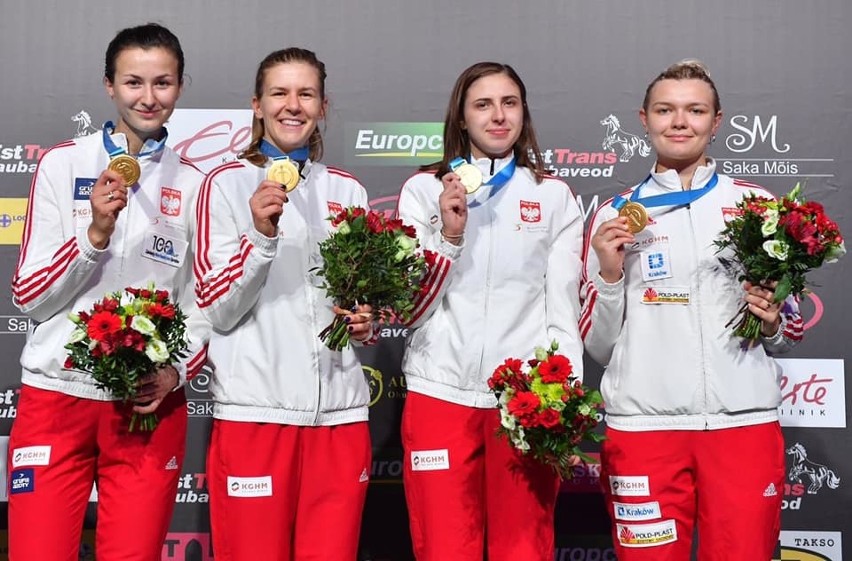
546, 411
125, 336
778, 241
371, 260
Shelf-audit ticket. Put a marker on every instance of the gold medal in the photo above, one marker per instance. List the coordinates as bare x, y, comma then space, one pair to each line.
127, 167
284, 172
637, 216
470, 177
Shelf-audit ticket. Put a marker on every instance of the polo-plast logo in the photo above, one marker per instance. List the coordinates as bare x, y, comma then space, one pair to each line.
646, 535
393, 144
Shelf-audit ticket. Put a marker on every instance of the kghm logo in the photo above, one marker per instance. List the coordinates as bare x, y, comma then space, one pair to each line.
393, 144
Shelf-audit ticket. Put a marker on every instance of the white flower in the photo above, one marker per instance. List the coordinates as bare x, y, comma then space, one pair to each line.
143, 325
519, 441
776, 249
77, 335
584, 410
74, 317
507, 420
770, 223
343, 228
157, 351
835, 253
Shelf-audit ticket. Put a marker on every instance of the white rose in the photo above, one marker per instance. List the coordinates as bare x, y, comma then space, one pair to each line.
143, 325
770, 224
157, 351
776, 249
343, 228
507, 420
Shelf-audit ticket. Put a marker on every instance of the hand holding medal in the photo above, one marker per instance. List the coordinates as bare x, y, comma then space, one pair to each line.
126, 166
469, 175
453, 205
636, 215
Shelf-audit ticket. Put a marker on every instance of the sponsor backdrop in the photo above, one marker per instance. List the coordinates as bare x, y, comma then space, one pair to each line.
783, 73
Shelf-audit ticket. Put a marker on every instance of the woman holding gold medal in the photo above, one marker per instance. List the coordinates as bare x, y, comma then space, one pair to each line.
97, 204
682, 393
506, 279
289, 455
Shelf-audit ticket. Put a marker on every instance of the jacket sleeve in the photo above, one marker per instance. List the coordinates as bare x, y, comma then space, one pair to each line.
789, 332
230, 266
562, 284
413, 209
602, 313
197, 326
53, 264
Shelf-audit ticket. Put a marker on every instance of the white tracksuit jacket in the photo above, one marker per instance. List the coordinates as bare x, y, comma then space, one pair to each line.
59, 271
675, 365
512, 286
266, 306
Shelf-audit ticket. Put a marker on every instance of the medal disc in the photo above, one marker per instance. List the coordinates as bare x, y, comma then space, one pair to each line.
284, 172
127, 167
637, 216
470, 177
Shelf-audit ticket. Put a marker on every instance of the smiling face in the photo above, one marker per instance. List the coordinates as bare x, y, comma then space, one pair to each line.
145, 87
291, 104
493, 116
680, 118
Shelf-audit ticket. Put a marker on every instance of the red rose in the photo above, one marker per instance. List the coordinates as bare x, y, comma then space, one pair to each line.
356, 212
523, 404
103, 324
409, 231
161, 295
69, 363
375, 223
555, 370
550, 418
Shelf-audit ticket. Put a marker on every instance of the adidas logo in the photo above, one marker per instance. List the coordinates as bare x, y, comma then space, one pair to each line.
770, 490
172, 464
364, 477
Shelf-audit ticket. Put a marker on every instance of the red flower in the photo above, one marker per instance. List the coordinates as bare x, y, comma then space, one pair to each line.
69, 363
356, 212
523, 404
409, 231
103, 324
510, 368
158, 310
550, 418
134, 339
161, 295
375, 223
555, 370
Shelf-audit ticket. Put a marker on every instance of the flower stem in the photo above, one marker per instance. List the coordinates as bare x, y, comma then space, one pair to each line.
336, 334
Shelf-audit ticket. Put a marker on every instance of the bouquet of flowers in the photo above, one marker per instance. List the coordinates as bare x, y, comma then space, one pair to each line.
546, 411
370, 259
125, 336
778, 241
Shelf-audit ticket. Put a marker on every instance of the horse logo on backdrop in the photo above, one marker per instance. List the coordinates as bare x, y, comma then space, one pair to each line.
818, 474
84, 124
627, 143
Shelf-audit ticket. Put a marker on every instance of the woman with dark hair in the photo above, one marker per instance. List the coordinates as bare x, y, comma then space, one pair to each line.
682, 393
505, 280
289, 457
96, 204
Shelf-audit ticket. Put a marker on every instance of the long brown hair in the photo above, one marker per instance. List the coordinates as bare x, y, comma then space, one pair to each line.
456, 139
252, 153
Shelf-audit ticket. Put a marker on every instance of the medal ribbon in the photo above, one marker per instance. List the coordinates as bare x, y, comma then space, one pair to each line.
149, 147
497, 182
272, 151
677, 198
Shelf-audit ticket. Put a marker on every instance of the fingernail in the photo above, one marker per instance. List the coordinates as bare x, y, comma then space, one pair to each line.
347, 319
351, 329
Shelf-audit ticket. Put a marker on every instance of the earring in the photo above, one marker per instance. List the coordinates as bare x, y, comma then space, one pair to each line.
646, 135
712, 139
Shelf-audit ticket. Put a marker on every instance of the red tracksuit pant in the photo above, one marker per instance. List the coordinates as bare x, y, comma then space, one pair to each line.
60, 445
658, 484
287, 493
467, 489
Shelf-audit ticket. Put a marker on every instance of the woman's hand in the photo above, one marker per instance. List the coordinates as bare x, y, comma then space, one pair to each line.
360, 321
267, 206
153, 388
608, 243
108, 198
453, 204
761, 302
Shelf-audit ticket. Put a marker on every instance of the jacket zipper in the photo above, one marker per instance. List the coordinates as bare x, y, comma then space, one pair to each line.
697, 300
487, 286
